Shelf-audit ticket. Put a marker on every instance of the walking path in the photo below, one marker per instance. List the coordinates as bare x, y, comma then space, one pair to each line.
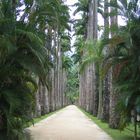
68, 124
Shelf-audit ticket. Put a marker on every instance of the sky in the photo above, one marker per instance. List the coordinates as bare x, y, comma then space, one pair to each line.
70, 3
100, 19
77, 16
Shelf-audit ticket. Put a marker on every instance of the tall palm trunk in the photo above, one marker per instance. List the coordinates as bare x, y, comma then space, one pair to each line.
92, 20
106, 94
44, 99
90, 76
50, 72
41, 100
89, 95
37, 101
56, 71
59, 75
53, 96
64, 81
95, 89
82, 89
114, 116
100, 101
59, 72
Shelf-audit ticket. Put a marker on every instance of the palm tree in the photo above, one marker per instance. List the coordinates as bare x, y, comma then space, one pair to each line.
42, 14
80, 27
88, 93
113, 116
90, 71
95, 54
52, 19
125, 58
105, 111
60, 29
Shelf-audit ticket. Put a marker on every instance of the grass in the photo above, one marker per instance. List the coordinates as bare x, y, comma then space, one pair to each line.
114, 133
38, 119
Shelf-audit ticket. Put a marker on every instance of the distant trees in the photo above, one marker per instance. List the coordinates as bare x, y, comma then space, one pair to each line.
72, 91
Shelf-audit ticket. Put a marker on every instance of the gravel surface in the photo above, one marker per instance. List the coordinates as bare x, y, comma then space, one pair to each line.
68, 124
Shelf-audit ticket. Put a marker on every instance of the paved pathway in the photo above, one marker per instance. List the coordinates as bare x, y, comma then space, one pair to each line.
67, 124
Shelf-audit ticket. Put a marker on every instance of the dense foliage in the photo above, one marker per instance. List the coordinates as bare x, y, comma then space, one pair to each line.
22, 59
26, 56
73, 85
116, 58
34, 44
125, 57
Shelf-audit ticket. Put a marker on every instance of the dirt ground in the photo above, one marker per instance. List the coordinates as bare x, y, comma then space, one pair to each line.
68, 124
